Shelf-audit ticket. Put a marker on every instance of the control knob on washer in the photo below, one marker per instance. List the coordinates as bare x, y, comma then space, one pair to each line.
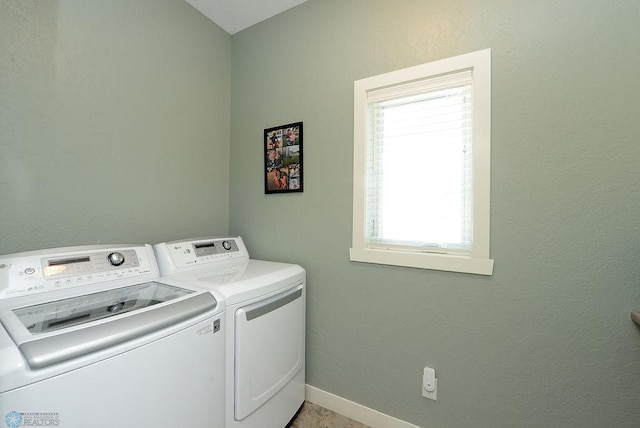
116, 259
226, 245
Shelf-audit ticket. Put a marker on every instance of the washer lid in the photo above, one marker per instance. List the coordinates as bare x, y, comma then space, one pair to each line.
100, 320
61, 314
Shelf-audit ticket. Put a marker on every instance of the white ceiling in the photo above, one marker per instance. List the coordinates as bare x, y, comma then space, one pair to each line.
236, 15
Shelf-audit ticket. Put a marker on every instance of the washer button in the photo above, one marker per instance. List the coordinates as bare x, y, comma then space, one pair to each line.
29, 271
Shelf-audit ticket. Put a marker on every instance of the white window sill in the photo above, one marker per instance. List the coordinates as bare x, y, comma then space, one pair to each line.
445, 262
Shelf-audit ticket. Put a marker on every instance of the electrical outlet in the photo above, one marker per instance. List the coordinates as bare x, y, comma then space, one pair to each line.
429, 384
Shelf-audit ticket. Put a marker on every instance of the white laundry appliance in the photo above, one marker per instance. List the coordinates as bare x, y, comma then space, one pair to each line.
89, 338
265, 330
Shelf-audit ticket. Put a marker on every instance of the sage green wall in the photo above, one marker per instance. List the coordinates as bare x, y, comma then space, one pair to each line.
547, 340
114, 122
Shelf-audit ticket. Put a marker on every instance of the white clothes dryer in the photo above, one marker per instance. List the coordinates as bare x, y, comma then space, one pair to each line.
88, 338
265, 334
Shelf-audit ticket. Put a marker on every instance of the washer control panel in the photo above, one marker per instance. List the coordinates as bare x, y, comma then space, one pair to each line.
182, 255
39, 271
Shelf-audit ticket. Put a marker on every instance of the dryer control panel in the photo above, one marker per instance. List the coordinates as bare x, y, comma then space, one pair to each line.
47, 270
178, 256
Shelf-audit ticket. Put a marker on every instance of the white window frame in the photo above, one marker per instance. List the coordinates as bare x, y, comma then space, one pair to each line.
478, 261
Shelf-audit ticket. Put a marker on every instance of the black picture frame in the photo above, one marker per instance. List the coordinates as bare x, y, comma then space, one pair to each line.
283, 159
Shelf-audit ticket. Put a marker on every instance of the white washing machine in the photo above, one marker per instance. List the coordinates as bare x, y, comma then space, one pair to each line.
265, 312
89, 338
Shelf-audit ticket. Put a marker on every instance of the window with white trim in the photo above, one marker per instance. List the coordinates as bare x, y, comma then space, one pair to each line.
422, 140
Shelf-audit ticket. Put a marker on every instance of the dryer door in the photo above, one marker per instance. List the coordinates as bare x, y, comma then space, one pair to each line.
269, 341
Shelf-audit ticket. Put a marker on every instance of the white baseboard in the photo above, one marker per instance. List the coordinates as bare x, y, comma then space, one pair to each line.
354, 411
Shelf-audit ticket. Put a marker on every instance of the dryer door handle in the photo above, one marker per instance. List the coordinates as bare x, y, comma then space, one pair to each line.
269, 305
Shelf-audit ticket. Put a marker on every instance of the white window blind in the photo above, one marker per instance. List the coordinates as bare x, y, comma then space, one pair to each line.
419, 166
